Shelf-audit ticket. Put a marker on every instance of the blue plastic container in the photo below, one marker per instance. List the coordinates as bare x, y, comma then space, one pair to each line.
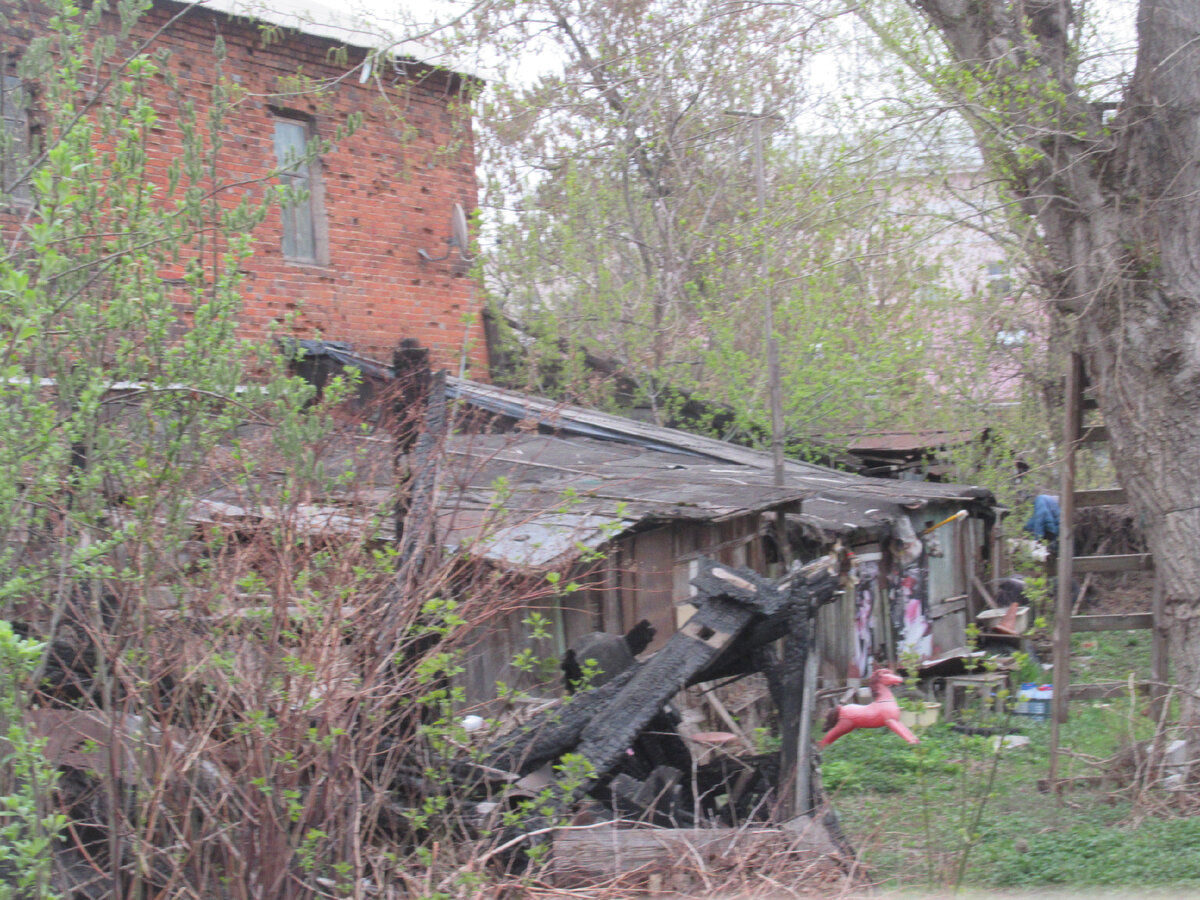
1034, 700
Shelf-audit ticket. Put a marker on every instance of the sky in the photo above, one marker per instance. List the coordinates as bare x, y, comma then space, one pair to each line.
374, 21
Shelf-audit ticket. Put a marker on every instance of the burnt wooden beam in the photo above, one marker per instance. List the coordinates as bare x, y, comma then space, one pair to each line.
714, 625
791, 676
810, 588
602, 723
554, 731
416, 515
559, 729
738, 614
410, 369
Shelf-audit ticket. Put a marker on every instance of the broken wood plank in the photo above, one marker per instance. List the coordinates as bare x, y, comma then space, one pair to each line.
1087, 579
1123, 562
1104, 497
983, 591
730, 722
951, 605
553, 731
715, 624
1105, 690
599, 854
1129, 622
1083, 589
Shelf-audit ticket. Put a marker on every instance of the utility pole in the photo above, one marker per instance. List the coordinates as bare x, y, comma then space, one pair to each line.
774, 385
796, 753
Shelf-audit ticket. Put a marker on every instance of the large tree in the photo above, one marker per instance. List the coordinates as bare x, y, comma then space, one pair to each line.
1106, 194
630, 226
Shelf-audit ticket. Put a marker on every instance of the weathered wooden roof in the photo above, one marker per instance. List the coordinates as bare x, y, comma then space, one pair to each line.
562, 480
579, 421
570, 475
534, 498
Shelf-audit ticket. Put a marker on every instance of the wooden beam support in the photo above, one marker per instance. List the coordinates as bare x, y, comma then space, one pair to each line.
1131, 622
1072, 426
1122, 562
803, 801
1106, 690
1105, 497
1159, 672
983, 591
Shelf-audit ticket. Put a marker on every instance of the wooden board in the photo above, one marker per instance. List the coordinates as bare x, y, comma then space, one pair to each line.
1131, 622
1106, 690
1124, 562
598, 854
1106, 497
945, 607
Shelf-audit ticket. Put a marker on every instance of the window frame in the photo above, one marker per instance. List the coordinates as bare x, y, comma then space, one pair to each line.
303, 234
17, 141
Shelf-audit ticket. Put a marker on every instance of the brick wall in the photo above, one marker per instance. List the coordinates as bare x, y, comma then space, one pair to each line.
386, 191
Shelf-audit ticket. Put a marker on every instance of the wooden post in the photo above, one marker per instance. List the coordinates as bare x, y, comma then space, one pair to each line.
790, 710
1066, 554
803, 800
1159, 673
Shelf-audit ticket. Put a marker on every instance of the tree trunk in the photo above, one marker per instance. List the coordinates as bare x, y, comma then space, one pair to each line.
1146, 361
1117, 227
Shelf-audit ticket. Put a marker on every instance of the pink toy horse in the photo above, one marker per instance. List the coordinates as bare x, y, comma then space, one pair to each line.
882, 710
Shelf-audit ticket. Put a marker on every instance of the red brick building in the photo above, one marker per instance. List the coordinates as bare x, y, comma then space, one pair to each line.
344, 265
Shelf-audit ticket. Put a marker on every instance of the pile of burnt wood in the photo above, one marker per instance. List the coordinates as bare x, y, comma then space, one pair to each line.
612, 750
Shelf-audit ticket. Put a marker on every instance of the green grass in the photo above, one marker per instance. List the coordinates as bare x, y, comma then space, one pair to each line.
911, 811
1156, 852
1110, 656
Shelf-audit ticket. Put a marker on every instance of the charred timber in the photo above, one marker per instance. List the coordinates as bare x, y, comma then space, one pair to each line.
738, 614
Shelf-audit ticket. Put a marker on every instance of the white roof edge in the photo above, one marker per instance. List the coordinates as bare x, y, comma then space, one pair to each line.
341, 24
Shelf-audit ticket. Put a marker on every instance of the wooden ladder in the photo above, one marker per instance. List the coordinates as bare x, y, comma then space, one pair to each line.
1075, 435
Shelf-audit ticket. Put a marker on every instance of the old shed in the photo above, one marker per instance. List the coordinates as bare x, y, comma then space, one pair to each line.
624, 511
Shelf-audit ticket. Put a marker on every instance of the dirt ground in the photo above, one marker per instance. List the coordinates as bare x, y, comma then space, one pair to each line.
1119, 592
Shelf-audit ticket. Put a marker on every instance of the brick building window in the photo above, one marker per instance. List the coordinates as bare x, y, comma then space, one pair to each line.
303, 217
14, 141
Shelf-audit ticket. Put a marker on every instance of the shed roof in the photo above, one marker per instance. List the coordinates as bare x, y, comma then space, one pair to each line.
616, 473
811, 478
904, 442
565, 478
539, 499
